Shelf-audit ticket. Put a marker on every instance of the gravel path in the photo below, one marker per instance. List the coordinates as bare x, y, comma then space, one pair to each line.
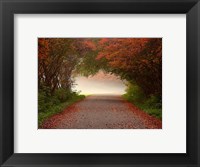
102, 112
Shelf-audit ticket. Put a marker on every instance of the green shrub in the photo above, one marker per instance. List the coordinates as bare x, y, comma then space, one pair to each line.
153, 102
41, 101
151, 105
49, 105
62, 94
134, 93
44, 101
157, 112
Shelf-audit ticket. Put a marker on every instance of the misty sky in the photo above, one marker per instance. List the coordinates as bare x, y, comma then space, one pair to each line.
100, 83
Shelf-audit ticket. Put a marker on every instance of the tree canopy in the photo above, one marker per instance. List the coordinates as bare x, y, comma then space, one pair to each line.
136, 60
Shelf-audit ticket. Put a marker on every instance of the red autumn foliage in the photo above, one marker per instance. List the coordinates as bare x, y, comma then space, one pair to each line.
135, 59
57, 58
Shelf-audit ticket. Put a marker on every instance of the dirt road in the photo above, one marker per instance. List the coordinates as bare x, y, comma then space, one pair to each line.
102, 112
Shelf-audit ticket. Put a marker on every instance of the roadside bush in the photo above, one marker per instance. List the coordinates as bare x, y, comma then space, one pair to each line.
46, 100
134, 93
50, 105
62, 94
152, 104
41, 101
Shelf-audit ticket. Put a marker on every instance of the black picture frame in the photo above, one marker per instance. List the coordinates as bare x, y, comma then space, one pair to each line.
10, 7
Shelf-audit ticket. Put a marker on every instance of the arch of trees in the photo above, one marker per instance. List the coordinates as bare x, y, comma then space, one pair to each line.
136, 60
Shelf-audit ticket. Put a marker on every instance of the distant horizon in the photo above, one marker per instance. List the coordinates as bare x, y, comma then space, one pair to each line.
99, 84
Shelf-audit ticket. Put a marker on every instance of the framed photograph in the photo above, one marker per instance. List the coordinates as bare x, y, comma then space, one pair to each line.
99, 83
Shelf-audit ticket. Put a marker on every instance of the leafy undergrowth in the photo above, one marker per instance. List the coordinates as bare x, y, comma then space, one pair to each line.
151, 105
48, 109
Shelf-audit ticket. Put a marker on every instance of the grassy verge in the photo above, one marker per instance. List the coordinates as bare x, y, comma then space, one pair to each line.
151, 105
54, 109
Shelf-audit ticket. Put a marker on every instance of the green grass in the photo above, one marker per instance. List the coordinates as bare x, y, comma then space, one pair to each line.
157, 112
151, 105
146, 107
54, 109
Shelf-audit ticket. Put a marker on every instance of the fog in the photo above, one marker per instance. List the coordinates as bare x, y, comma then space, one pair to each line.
100, 83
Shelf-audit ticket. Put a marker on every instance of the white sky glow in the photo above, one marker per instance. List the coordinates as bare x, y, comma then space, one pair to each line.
100, 83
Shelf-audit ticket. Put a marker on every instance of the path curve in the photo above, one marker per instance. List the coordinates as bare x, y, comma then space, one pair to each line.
102, 112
